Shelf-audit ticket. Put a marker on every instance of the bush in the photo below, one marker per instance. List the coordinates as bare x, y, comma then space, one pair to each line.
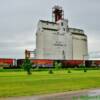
50, 71
69, 71
85, 70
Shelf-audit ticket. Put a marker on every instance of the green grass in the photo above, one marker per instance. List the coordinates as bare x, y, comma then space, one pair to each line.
21, 84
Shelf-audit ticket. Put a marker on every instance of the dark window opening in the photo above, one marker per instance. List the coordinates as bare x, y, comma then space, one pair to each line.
61, 24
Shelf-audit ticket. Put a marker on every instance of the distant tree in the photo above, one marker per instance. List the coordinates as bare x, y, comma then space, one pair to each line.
58, 65
83, 67
27, 66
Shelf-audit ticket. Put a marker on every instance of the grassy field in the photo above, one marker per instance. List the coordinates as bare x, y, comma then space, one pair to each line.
21, 84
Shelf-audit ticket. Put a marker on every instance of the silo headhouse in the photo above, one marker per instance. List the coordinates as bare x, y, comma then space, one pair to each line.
56, 40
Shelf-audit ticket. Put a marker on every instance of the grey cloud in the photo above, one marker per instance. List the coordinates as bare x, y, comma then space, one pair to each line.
16, 44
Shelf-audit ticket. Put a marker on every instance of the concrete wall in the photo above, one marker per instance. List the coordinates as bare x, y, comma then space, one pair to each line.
79, 47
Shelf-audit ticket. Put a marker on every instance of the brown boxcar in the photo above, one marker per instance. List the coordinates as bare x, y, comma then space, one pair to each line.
72, 63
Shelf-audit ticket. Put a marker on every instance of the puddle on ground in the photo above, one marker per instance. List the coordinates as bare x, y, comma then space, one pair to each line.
94, 92
78, 95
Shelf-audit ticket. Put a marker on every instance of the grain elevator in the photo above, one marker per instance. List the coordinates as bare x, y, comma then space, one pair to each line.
56, 40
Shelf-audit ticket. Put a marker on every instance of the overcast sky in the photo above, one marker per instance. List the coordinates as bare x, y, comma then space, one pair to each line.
19, 18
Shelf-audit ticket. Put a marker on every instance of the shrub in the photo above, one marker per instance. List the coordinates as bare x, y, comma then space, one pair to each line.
85, 70
50, 71
69, 71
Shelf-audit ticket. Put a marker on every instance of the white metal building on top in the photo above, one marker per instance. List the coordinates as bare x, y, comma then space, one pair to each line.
55, 40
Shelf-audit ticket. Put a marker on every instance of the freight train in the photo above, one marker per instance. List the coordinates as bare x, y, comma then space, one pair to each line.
44, 63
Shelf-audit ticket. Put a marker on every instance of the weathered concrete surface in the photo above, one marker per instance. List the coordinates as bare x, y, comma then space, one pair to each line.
77, 95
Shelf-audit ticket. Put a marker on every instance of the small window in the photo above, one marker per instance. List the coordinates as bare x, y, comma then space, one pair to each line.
62, 24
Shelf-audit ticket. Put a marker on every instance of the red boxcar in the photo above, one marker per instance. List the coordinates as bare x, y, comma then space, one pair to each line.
42, 62
6, 62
